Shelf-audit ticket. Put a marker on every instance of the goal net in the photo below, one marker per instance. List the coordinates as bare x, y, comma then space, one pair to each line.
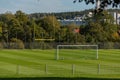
76, 52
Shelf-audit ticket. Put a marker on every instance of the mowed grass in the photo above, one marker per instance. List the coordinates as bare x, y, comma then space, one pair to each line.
76, 63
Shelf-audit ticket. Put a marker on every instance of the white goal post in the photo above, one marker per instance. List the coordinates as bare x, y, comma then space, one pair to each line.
59, 46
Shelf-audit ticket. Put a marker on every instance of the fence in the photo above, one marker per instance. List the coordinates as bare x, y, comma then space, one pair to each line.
52, 44
59, 70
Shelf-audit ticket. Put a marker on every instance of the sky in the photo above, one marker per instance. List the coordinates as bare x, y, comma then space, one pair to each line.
41, 6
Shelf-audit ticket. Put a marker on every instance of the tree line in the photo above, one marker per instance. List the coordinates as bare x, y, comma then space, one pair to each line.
69, 14
23, 28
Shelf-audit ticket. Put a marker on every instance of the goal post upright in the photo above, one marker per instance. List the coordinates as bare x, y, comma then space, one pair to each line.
58, 46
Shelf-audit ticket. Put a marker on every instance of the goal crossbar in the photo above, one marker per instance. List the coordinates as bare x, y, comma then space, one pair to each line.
77, 45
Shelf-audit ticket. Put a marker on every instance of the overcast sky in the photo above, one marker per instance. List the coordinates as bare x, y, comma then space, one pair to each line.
32, 6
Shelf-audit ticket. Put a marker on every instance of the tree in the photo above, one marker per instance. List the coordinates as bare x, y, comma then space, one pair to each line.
14, 28
72, 36
1, 23
50, 25
100, 29
61, 35
22, 17
94, 32
5, 19
26, 28
103, 3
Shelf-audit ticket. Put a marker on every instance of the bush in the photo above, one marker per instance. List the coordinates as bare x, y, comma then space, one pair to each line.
1, 45
16, 44
117, 45
109, 45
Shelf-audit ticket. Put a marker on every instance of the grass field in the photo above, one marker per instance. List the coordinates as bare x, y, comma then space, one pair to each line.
42, 63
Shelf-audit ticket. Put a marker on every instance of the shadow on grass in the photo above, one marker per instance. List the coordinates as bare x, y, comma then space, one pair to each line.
58, 78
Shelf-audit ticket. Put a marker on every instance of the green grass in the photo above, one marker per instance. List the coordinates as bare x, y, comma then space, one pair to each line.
78, 54
42, 63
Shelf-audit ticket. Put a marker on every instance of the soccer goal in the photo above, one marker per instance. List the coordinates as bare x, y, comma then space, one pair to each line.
76, 52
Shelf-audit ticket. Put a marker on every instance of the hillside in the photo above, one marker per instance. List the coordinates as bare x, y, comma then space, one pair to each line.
68, 15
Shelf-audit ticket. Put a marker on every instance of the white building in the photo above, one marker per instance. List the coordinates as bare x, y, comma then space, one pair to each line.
116, 17
73, 21
90, 14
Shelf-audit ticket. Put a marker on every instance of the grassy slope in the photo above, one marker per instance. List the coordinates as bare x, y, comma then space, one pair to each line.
33, 63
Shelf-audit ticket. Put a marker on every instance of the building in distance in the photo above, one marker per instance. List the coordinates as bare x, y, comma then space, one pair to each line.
77, 20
